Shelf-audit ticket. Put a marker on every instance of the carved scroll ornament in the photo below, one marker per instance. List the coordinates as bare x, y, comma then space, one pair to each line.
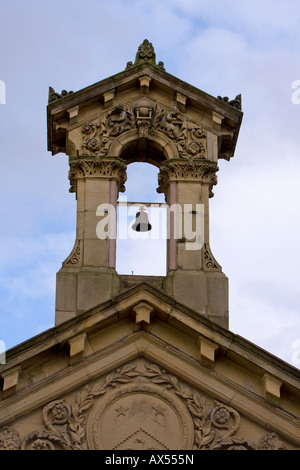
189, 138
138, 407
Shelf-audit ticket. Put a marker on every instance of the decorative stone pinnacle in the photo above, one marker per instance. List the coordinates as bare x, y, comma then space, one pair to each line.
147, 54
53, 95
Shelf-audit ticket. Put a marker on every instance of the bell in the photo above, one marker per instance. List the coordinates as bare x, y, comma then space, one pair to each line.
141, 223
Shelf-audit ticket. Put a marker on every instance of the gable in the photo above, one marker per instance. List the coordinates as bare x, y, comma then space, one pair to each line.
147, 85
140, 364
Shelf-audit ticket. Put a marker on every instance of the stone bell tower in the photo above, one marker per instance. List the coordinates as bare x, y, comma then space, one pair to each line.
144, 362
142, 114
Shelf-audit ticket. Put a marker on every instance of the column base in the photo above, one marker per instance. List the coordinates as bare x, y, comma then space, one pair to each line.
78, 290
204, 292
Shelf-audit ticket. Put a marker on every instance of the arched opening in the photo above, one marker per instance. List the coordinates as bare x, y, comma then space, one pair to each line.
141, 253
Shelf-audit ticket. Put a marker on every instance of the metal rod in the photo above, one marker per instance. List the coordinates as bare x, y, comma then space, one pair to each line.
146, 204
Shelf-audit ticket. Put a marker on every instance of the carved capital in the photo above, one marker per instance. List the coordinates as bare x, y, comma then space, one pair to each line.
108, 168
203, 171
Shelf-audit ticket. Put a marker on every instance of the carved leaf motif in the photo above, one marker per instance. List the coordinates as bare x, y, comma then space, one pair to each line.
154, 369
195, 410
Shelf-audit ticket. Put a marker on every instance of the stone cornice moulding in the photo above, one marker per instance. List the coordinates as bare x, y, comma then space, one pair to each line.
187, 321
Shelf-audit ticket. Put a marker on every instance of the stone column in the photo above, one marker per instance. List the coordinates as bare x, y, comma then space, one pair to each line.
88, 275
194, 277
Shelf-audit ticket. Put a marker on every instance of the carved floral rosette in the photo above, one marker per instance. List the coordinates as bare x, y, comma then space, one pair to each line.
138, 410
111, 168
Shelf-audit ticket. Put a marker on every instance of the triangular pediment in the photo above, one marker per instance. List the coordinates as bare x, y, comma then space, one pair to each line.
145, 360
69, 112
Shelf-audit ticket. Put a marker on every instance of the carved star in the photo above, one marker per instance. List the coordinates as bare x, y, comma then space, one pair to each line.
159, 410
121, 411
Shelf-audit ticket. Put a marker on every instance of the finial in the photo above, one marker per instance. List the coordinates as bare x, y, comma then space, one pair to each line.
147, 54
53, 95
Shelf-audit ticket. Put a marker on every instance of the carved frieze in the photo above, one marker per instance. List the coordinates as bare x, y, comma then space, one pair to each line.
138, 410
146, 117
112, 168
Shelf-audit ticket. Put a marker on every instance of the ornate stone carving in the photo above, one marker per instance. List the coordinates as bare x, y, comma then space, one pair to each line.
60, 430
144, 114
112, 168
74, 257
138, 409
189, 138
9, 439
119, 120
236, 103
145, 54
98, 136
209, 262
271, 441
198, 170
214, 423
136, 416
54, 96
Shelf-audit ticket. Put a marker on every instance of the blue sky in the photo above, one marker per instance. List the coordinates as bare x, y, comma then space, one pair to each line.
223, 48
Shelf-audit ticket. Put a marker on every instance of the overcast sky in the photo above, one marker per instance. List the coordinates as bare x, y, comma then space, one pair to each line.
222, 47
